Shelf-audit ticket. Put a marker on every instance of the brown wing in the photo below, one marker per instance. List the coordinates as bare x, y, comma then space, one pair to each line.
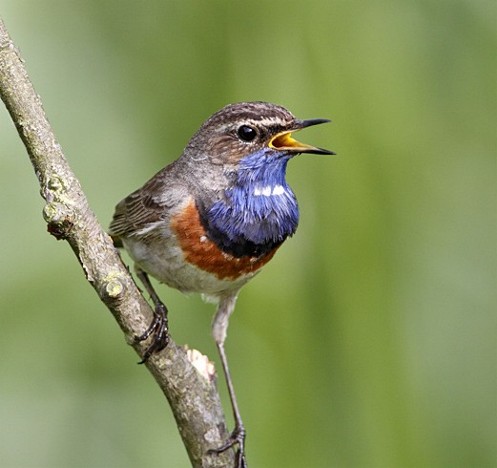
147, 206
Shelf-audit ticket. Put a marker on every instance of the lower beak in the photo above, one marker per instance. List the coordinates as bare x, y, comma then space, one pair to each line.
284, 141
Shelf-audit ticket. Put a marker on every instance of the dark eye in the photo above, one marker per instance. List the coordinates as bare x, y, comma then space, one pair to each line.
246, 133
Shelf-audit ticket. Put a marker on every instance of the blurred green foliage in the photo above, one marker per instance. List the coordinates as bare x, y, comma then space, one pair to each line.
370, 340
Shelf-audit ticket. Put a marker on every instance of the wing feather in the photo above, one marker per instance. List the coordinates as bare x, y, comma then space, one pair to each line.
146, 208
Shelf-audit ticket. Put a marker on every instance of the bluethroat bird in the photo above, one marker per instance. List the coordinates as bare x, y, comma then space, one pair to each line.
212, 219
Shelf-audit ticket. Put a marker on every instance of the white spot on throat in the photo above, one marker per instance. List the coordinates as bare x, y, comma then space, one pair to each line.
269, 190
278, 190
263, 191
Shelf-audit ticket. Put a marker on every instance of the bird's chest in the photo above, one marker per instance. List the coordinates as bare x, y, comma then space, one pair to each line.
253, 217
201, 251
218, 242
186, 259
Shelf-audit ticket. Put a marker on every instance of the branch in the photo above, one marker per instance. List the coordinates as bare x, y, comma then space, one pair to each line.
191, 393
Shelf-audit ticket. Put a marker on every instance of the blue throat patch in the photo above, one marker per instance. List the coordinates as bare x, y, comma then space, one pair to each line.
258, 212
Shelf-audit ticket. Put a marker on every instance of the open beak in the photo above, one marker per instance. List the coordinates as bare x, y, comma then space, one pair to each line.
284, 141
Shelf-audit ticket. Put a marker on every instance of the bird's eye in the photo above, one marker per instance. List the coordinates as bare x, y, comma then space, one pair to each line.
246, 133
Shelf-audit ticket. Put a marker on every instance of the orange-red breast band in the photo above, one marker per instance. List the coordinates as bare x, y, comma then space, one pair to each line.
200, 251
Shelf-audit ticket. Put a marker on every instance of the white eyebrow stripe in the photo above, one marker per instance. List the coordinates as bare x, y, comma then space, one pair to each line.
266, 123
269, 122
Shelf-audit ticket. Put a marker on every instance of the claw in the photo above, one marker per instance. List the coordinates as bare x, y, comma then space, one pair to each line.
159, 331
237, 437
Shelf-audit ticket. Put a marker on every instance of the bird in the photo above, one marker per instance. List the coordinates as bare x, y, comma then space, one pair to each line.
208, 222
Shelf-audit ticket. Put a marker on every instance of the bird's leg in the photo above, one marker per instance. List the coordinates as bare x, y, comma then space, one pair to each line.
159, 326
219, 331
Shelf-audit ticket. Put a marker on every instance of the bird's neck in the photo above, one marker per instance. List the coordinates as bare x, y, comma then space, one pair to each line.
258, 211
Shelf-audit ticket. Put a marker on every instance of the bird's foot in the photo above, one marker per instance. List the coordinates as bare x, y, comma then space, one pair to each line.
237, 437
159, 331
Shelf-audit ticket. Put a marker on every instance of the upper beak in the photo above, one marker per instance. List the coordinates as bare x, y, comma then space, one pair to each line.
283, 141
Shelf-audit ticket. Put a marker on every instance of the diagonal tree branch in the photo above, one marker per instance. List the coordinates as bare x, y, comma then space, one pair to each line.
191, 392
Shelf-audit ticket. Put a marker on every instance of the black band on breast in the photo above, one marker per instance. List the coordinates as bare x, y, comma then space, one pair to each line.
238, 246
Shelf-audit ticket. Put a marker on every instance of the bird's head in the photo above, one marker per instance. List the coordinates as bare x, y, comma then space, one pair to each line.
240, 130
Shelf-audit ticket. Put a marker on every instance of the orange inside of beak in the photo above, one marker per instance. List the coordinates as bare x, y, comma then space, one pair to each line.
284, 141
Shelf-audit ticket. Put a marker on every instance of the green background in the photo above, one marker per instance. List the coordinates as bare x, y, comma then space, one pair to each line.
370, 340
